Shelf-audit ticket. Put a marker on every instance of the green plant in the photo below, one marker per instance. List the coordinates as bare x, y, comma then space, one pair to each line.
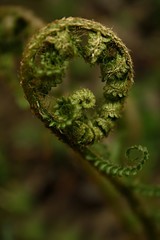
43, 67
78, 119
71, 117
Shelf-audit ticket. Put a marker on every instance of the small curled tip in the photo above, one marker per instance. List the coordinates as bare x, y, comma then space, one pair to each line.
134, 153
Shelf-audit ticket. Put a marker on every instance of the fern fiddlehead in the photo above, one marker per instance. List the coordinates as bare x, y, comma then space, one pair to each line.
43, 68
44, 64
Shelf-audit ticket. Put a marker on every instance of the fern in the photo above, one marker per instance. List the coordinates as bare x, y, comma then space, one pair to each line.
43, 67
146, 190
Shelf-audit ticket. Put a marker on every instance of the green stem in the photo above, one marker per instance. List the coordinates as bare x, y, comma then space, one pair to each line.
135, 203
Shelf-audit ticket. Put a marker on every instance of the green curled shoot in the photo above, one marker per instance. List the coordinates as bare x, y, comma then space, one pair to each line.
44, 65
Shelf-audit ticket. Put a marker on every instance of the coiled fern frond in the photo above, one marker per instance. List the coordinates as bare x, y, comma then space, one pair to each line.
44, 65
109, 168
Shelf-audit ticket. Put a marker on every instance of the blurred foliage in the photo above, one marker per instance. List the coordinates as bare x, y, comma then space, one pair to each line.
44, 193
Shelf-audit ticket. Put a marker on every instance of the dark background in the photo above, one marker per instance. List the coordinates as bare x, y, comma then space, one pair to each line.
45, 193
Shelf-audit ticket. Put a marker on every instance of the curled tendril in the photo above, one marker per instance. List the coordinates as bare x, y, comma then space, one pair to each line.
43, 68
107, 167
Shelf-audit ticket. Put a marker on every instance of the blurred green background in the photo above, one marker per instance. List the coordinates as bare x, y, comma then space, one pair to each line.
45, 194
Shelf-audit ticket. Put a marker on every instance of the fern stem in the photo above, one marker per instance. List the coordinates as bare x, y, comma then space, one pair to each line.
137, 208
